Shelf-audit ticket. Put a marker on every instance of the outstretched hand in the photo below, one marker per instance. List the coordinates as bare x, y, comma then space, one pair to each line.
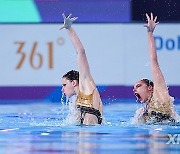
151, 23
67, 21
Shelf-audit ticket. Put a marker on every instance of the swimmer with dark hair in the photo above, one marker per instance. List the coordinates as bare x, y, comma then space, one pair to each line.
79, 86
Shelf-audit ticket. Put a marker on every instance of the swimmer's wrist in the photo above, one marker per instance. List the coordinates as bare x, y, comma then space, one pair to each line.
68, 26
149, 30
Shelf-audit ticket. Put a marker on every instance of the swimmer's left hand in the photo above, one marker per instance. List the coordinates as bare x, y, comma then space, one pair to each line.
68, 21
151, 23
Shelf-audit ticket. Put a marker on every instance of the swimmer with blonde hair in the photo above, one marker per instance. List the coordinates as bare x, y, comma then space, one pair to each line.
158, 104
80, 85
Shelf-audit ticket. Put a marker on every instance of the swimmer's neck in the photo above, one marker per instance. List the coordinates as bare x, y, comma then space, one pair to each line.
76, 90
148, 100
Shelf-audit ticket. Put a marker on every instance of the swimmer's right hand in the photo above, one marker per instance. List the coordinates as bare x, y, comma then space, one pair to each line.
151, 23
68, 21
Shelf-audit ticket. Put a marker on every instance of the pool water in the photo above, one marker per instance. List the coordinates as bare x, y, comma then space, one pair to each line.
40, 128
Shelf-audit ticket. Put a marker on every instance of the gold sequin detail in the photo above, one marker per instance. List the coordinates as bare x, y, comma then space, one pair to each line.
84, 100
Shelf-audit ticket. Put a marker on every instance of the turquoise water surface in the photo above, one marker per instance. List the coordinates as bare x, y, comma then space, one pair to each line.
39, 128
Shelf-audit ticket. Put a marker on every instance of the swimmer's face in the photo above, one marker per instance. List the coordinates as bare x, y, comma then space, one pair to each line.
67, 87
142, 91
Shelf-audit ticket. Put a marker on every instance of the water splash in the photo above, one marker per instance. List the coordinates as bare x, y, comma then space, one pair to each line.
63, 99
64, 103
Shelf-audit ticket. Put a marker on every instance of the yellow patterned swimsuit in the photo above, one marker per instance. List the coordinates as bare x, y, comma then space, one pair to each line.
84, 103
158, 112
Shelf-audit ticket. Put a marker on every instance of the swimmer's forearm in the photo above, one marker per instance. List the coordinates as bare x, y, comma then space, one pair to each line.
158, 77
76, 41
152, 48
83, 65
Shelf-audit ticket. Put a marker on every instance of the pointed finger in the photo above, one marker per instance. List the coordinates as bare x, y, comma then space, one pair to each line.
63, 15
155, 19
157, 23
145, 25
147, 17
151, 16
62, 27
74, 18
69, 16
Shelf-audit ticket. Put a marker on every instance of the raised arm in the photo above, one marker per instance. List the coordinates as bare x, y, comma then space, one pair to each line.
158, 78
83, 65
